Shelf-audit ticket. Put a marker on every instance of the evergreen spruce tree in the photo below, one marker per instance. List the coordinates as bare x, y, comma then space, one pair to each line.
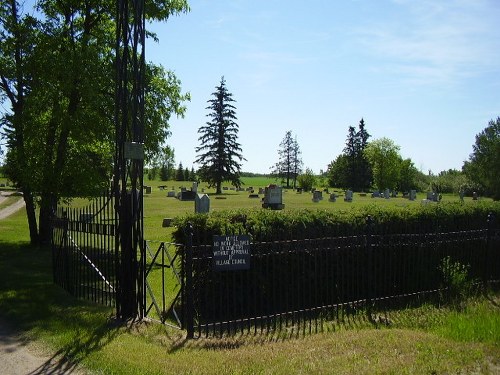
363, 169
350, 151
220, 151
179, 174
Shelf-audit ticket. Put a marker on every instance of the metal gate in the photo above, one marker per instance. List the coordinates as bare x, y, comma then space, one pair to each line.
163, 283
83, 250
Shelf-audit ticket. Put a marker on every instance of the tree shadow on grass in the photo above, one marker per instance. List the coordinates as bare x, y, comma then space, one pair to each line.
34, 307
68, 359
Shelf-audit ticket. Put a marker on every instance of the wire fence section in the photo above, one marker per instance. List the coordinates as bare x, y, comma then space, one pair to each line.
302, 282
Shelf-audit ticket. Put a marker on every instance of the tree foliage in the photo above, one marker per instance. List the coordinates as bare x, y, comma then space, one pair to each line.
307, 180
219, 154
351, 169
407, 175
289, 165
384, 158
57, 73
338, 172
483, 166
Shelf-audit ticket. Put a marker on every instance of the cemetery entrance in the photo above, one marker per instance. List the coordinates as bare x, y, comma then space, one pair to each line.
101, 250
163, 282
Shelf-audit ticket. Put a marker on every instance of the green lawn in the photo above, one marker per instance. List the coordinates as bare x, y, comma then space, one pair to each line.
158, 206
421, 340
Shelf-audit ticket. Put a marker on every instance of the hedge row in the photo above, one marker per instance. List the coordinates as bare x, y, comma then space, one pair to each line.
266, 225
308, 259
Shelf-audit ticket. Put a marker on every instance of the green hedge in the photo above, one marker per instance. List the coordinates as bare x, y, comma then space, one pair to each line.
267, 225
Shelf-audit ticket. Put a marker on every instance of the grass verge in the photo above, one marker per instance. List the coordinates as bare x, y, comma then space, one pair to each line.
422, 340
426, 339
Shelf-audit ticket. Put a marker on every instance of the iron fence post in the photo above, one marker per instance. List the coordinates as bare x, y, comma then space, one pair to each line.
188, 286
490, 253
369, 279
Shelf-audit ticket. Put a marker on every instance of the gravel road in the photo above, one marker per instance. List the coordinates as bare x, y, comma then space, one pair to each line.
9, 210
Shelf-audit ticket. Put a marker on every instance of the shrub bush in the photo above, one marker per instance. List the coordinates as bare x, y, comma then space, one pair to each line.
267, 225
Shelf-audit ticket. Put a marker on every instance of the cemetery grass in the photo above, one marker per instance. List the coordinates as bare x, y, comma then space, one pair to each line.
425, 339
158, 206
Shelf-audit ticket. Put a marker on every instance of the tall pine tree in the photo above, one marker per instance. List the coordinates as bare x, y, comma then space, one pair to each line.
220, 151
289, 164
363, 169
352, 169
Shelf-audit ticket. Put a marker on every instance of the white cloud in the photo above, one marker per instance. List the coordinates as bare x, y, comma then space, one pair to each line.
432, 41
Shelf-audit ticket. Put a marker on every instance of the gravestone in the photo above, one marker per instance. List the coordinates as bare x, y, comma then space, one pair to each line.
432, 196
333, 197
376, 194
195, 187
273, 197
413, 195
187, 195
348, 196
148, 189
166, 222
201, 203
474, 196
171, 194
387, 193
317, 196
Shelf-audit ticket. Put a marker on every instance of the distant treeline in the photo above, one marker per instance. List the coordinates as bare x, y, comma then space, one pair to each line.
250, 174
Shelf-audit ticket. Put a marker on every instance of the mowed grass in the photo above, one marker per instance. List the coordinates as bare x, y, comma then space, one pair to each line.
158, 206
422, 340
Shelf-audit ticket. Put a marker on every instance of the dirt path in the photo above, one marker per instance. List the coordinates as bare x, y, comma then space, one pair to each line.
9, 210
19, 357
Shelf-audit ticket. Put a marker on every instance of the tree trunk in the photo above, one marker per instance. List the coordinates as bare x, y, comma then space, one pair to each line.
45, 217
31, 215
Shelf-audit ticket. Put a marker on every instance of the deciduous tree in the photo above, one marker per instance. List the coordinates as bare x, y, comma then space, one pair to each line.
483, 166
384, 158
57, 73
307, 179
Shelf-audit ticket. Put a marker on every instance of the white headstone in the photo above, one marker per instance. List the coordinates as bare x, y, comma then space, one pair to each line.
195, 187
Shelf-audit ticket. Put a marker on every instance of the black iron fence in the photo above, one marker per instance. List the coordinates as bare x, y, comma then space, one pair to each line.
83, 251
302, 282
293, 284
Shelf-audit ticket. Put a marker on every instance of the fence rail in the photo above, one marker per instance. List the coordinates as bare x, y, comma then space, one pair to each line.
303, 282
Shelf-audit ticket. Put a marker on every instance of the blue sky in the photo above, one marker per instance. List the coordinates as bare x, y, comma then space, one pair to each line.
424, 73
